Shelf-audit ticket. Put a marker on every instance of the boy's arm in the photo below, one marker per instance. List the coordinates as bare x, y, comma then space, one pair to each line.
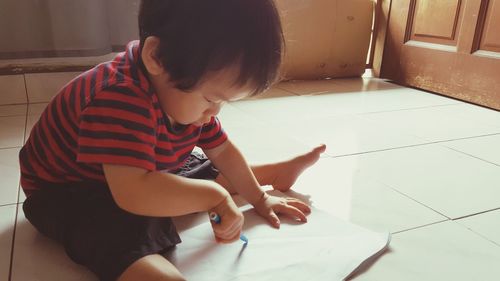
157, 194
231, 163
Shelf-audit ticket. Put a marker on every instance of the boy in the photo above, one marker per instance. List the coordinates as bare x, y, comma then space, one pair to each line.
110, 160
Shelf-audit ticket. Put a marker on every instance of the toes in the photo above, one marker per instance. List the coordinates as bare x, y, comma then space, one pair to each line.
320, 149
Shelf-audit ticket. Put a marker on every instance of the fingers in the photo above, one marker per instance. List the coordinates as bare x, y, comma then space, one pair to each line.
299, 205
294, 208
291, 211
228, 233
273, 219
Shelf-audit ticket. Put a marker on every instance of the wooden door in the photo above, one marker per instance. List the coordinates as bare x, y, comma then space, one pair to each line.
451, 47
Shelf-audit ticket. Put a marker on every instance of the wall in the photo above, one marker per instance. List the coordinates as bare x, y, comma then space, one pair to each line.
325, 38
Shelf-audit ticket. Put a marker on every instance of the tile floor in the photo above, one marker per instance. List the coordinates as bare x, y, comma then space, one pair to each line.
424, 167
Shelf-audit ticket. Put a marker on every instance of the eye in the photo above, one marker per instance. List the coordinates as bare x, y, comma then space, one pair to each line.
208, 100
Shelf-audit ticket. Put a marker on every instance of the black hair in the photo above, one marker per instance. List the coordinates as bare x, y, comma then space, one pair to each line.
197, 36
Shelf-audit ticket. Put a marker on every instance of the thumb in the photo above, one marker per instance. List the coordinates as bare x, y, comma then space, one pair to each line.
273, 219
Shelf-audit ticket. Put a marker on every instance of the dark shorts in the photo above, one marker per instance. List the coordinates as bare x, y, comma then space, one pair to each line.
95, 232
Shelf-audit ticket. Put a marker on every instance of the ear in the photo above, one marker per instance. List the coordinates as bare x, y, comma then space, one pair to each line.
149, 56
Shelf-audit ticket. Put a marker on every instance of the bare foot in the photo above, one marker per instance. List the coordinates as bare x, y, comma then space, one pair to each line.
289, 171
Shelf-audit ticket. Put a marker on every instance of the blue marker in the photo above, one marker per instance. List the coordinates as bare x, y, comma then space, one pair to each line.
216, 218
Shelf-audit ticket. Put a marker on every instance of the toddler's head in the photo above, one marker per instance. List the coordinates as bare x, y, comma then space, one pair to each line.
217, 49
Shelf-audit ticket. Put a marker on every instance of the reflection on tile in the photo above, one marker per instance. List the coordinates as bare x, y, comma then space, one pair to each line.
346, 85
269, 146
282, 108
41, 87
444, 251
40, 258
9, 175
12, 110
305, 87
274, 92
485, 224
448, 123
288, 109
7, 219
337, 186
12, 131
347, 134
445, 180
12, 89
486, 148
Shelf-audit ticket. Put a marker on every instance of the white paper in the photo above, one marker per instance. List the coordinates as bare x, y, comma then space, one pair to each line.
324, 248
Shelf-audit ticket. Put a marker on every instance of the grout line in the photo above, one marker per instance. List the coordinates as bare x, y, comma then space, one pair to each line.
475, 214
406, 109
25, 125
478, 234
13, 243
419, 144
26, 89
416, 201
382, 150
473, 156
8, 204
11, 147
288, 91
420, 226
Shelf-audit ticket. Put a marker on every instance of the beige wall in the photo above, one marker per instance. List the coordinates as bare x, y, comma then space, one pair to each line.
324, 38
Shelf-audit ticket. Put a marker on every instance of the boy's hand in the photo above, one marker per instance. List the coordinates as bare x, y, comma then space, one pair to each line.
231, 221
268, 206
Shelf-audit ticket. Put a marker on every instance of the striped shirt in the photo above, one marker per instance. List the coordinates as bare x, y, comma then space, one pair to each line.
109, 114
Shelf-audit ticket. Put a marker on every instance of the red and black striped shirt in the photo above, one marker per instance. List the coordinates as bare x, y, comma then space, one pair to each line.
109, 114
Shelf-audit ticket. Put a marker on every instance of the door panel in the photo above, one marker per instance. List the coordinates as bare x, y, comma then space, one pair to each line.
488, 27
451, 47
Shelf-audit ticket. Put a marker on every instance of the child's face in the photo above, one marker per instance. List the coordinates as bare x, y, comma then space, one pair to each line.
201, 104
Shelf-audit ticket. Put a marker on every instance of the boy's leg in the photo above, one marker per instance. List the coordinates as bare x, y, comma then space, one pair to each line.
152, 267
281, 175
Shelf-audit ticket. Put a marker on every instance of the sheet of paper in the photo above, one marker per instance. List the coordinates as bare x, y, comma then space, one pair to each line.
324, 248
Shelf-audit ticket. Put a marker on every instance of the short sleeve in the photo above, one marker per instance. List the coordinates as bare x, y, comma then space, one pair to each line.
212, 134
118, 127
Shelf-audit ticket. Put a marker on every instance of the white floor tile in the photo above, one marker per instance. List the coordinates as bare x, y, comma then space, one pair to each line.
337, 186
282, 108
12, 110
12, 131
474, 113
37, 257
403, 189
289, 109
445, 251
485, 224
7, 220
486, 148
41, 87
347, 134
336, 86
9, 175
445, 180
12, 89
270, 146
439, 123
